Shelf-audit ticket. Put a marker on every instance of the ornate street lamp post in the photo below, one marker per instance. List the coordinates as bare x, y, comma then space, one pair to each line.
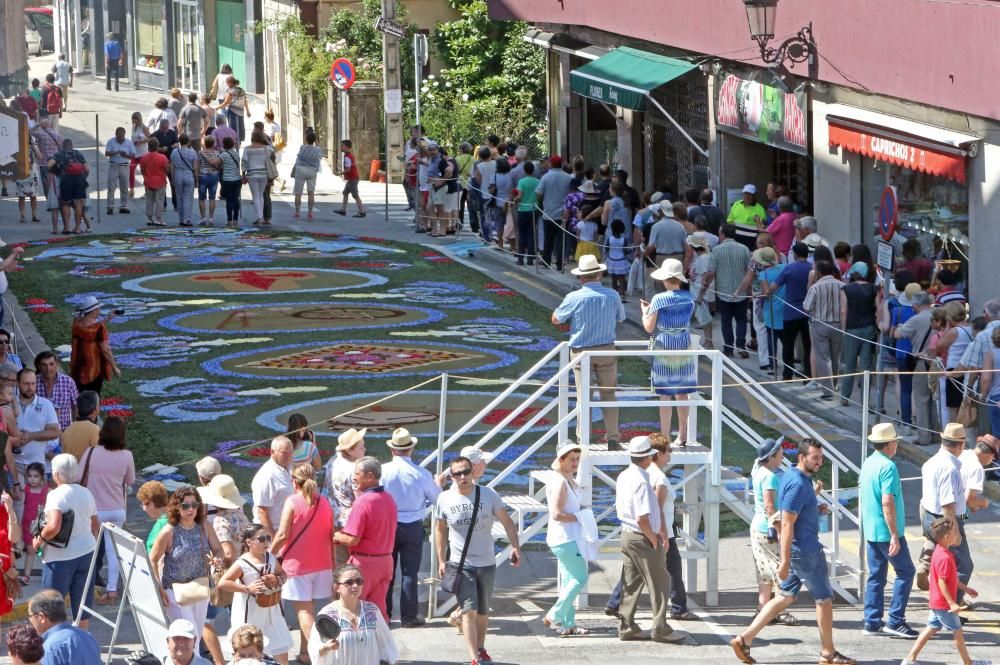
761, 17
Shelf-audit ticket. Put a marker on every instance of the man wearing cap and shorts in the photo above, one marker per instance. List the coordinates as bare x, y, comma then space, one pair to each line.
593, 312
370, 532
454, 512
802, 559
414, 490
273, 484
883, 518
644, 540
748, 217
338, 480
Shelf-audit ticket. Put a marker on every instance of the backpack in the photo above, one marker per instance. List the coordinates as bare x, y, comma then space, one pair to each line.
73, 165
53, 100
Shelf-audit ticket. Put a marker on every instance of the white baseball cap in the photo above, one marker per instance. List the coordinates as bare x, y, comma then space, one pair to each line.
181, 628
476, 455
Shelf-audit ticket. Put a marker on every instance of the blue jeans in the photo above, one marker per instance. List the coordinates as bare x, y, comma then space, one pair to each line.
70, 577
809, 569
878, 569
572, 579
407, 551
905, 393
727, 312
526, 235
184, 189
236, 123
995, 420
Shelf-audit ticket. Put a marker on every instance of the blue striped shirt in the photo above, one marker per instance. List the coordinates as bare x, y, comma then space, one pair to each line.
593, 312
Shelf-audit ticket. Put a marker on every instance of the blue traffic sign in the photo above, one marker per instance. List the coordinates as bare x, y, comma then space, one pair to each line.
342, 73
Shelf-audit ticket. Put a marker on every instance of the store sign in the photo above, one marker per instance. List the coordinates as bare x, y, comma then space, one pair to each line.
888, 213
898, 152
762, 113
885, 257
13, 144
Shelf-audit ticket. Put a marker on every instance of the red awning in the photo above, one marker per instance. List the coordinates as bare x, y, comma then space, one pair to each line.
913, 152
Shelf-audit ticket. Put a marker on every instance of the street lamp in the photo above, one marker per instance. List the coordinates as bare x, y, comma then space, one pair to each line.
760, 17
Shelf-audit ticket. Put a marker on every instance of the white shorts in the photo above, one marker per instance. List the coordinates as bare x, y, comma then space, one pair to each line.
311, 586
451, 203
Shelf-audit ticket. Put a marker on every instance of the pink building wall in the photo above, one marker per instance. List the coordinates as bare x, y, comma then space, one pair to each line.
943, 53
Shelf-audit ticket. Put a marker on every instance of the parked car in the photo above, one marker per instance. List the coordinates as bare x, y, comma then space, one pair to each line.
32, 39
42, 20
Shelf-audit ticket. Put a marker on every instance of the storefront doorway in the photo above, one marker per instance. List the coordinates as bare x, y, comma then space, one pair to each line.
188, 72
230, 19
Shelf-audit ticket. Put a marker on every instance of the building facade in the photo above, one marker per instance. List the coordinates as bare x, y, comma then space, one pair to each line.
863, 115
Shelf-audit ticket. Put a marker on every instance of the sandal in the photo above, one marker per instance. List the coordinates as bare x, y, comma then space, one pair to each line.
836, 658
456, 621
684, 616
549, 623
785, 619
23, 580
741, 650
569, 632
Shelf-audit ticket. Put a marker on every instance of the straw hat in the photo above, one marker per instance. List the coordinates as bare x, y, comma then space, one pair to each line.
221, 492
698, 239
908, 294
883, 433
588, 266
564, 450
765, 256
88, 305
640, 446
953, 432
671, 269
587, 187
814, 240
401, 439
350, 438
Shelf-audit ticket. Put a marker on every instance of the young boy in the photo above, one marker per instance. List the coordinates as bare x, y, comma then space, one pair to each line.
351, 178
944, 586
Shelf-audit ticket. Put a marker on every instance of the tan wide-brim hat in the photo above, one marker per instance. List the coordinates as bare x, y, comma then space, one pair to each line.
401, 439
953, 432
589, 265
671, 269
883, 433
350, 438
222, 492
698, 239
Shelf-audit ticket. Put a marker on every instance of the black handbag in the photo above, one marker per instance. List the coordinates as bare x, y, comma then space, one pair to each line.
61, 539
452, 580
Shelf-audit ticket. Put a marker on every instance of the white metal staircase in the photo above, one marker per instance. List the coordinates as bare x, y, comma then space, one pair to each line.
704, 486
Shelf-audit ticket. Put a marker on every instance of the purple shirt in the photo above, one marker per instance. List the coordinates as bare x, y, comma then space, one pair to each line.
221, 132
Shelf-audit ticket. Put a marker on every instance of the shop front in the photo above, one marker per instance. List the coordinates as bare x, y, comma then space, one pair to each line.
169, 44
762, 137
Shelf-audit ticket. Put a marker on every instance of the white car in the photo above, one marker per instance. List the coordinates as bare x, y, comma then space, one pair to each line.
32, 39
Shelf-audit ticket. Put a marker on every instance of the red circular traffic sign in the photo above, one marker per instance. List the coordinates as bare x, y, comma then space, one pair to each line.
888, 213
342, 73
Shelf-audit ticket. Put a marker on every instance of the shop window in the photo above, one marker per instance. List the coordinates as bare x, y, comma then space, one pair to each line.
149, 34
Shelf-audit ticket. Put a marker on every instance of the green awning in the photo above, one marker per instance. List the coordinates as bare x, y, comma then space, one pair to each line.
626, 76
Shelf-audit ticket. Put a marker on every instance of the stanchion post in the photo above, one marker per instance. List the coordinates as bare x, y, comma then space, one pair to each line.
97, 163
442, 414
862, 549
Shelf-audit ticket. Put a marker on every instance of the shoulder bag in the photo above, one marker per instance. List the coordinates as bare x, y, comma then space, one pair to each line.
271, 166
200, 588
85, 477
312, 514
272, 596
452, 580
61, 539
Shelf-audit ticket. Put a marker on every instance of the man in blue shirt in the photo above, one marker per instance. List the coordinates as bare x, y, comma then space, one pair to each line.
112, 60
883, 518
802, 559
65, 644
414, 490
593, 312
795, 279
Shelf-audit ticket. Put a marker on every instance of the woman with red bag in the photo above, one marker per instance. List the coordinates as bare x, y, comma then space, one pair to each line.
10, 534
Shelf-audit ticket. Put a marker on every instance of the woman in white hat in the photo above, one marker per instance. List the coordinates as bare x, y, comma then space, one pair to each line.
667, 318
91, 361
225, 513
563, 498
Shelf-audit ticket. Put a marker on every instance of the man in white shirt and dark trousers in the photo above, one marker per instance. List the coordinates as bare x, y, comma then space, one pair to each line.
414, 490
120, 151
644, 538
944, 495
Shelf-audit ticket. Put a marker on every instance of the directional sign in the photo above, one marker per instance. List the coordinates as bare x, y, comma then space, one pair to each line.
342, 73
388, 26
13, 144
888, 213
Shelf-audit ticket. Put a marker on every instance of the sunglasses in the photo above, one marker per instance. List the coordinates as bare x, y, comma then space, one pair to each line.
263, 538
190, 506
461, 474
354, 581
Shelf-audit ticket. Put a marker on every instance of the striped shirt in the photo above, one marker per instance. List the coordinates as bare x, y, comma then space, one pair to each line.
974, 353
823, 300
230, 164
588, 311
729, 262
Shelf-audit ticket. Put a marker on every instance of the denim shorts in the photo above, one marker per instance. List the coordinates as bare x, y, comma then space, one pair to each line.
944, 620
207, 184
811, 570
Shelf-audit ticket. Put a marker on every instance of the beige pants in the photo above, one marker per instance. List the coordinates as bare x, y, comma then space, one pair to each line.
643, 566
603, 373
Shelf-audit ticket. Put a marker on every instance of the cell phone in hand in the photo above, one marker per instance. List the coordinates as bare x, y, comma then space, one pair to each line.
514, 557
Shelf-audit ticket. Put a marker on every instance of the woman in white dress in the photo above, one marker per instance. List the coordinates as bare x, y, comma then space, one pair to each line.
254, 580
364, 635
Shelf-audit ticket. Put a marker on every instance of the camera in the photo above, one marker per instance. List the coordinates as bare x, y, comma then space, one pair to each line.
118, 312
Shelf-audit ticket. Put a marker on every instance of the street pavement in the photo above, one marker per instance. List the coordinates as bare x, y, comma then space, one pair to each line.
523, 594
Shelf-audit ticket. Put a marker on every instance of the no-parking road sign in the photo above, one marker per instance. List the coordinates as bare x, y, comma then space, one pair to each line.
342, 73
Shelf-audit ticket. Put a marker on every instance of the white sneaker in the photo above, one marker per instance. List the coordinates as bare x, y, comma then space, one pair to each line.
812, 385
982, 662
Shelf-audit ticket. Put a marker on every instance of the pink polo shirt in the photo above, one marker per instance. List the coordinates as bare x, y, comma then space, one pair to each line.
782, 230
373, 521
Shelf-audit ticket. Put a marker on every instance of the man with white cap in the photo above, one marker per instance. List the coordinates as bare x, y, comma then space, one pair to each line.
207, 467
883, 518
593, 312
180, 645
748, 217
479, 460
644, 539
414, 490
667, 240
338, 477
273, 484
